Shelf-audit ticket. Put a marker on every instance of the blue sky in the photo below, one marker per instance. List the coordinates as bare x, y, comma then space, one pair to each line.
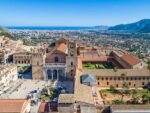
72, 12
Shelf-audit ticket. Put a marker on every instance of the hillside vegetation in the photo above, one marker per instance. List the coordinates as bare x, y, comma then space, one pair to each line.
6, 34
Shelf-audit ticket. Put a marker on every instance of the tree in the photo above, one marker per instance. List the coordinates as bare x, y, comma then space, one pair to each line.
115, 70
145, 99
123, 75
126, 88
113, 89
148, 66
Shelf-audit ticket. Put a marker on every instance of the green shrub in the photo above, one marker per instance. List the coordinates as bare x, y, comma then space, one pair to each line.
113, 89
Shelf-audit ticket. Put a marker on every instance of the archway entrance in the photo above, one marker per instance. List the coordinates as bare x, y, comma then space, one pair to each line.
49, 74
54, 74
61, 74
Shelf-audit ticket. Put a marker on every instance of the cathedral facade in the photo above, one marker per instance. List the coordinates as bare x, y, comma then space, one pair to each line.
57, 64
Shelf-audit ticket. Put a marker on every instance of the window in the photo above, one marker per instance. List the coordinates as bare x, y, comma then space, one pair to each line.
106, 78
71, 63
129, 83
134, 85
127, 78
143, 78
56, 59
114, 78
71, 53
71, 46
110, 78
37, 63
102, 78
116, 85
143, 83
139, 78
97, 78
147, 78
107, 83
135, 78
98, 83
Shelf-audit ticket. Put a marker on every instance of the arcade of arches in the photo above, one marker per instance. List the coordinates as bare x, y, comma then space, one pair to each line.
55, 74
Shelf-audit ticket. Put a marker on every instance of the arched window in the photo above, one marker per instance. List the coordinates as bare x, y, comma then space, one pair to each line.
71, 63
71, 72
56, 59
37, 63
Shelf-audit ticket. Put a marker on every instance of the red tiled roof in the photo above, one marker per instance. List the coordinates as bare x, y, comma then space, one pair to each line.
130, 59
12, 105
44, 108
61, 47
22, 52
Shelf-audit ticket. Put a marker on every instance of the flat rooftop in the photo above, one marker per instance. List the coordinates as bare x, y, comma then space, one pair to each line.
130, 108
83, 93
111, 72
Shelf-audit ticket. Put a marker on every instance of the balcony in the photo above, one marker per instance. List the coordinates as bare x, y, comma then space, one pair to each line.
60, 65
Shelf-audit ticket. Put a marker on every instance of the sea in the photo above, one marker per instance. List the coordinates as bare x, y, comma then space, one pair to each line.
52, 28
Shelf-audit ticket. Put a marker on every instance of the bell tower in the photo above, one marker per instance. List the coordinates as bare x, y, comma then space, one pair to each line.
38, 60
71, 59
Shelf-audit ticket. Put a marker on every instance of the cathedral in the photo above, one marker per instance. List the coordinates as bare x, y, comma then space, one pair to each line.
57, 63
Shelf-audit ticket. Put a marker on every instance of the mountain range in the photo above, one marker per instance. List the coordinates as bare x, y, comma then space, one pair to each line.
142, 26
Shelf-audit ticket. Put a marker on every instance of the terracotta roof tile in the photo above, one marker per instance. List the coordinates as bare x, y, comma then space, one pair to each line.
61, 47
43, 107
130, 59
12, 105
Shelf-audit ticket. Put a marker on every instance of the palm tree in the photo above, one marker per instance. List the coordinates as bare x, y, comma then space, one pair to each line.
123, 75
115, 70
148, 67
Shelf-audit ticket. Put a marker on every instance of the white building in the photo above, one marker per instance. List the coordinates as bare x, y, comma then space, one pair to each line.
8, 74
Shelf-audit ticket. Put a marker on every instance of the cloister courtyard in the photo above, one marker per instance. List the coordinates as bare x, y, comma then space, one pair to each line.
125, 96
98, 65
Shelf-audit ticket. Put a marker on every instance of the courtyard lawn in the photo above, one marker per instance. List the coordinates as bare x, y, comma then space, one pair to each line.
89, 66
131, 97
103, 65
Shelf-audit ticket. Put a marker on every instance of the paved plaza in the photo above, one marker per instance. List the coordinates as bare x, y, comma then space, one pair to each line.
25, 87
